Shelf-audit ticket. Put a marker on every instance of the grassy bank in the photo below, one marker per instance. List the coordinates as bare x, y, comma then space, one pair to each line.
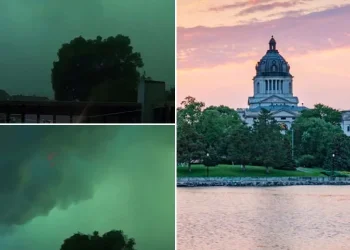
251, 171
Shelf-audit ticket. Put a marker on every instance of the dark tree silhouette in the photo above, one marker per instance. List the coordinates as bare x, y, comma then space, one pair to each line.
4, 96
112, 240
96, 70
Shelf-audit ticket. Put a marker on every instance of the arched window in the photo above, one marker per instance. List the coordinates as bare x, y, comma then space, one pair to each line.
274, 68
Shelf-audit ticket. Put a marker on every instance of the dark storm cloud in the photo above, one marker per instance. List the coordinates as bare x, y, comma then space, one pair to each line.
32, 32
41, 168
60, 180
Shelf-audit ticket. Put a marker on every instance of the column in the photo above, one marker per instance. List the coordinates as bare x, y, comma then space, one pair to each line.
282, 86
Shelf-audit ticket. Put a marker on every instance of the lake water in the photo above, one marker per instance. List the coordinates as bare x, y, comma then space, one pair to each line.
295, 217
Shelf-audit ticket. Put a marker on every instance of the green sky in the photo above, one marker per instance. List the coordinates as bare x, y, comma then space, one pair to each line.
60, 180
32, 31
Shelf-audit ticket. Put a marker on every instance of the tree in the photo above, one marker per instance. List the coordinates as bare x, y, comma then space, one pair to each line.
312, 136
112, 240
219, 121
189, 144
323, 112
211, 159
189, 141
4, 96
340, 147
96, 70
190, 111
268, 141
239, 148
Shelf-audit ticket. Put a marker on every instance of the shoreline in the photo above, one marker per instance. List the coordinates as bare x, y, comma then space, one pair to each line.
260, 181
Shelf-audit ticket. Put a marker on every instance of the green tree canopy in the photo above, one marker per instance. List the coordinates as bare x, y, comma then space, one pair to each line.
340, 147
215, 124
112, 240
268, 141
313, 137
240, 145
190, 111
190, 145
323, 112
96, 69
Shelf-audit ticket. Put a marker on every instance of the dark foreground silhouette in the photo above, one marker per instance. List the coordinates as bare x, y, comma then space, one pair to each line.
112, 240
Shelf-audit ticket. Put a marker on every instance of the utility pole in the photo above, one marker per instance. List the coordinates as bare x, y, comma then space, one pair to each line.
333, 155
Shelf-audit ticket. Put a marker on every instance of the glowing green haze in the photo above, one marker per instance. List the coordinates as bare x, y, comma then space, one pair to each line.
65, 179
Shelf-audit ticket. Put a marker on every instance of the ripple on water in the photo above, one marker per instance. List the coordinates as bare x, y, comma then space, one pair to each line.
295, 217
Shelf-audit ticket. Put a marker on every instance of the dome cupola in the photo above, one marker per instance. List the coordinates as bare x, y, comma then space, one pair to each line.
272, 43
272, 63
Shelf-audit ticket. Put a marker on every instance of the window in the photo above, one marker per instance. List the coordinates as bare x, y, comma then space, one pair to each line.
348, 128
283, 118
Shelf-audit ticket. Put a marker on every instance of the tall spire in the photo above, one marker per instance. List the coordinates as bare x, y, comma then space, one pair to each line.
272, 43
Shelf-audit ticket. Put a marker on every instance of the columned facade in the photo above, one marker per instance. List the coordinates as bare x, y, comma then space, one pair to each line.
273, 89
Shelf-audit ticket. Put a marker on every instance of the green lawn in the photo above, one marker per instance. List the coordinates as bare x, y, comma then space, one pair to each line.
251, 171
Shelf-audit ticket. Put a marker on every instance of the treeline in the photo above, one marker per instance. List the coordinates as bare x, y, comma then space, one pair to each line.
216, 134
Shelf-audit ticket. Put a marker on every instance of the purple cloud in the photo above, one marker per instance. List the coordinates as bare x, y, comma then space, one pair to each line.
271, 6
237, 5
208, 47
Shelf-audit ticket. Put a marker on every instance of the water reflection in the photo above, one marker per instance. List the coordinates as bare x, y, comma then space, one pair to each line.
297, 217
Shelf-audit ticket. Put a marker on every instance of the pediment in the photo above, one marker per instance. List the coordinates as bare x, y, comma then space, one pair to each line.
274, 99
283, 113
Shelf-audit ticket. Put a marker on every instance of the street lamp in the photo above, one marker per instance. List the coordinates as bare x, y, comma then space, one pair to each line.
333, 156
207, 166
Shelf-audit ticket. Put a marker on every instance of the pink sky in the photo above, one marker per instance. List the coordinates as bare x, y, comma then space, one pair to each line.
219, 43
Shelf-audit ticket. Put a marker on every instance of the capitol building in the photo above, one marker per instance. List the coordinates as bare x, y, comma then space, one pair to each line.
273, 91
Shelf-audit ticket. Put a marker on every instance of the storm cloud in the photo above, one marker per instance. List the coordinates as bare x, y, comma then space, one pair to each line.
32, 32
48, 170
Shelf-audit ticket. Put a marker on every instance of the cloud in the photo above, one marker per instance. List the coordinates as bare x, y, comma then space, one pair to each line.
83, 157
289, 32
237, 5
271, 6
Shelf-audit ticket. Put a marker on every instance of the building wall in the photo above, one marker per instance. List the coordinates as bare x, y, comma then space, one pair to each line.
288, 120
282, 88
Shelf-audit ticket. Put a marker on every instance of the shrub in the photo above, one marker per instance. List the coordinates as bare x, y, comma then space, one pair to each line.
307, 161
336, 174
